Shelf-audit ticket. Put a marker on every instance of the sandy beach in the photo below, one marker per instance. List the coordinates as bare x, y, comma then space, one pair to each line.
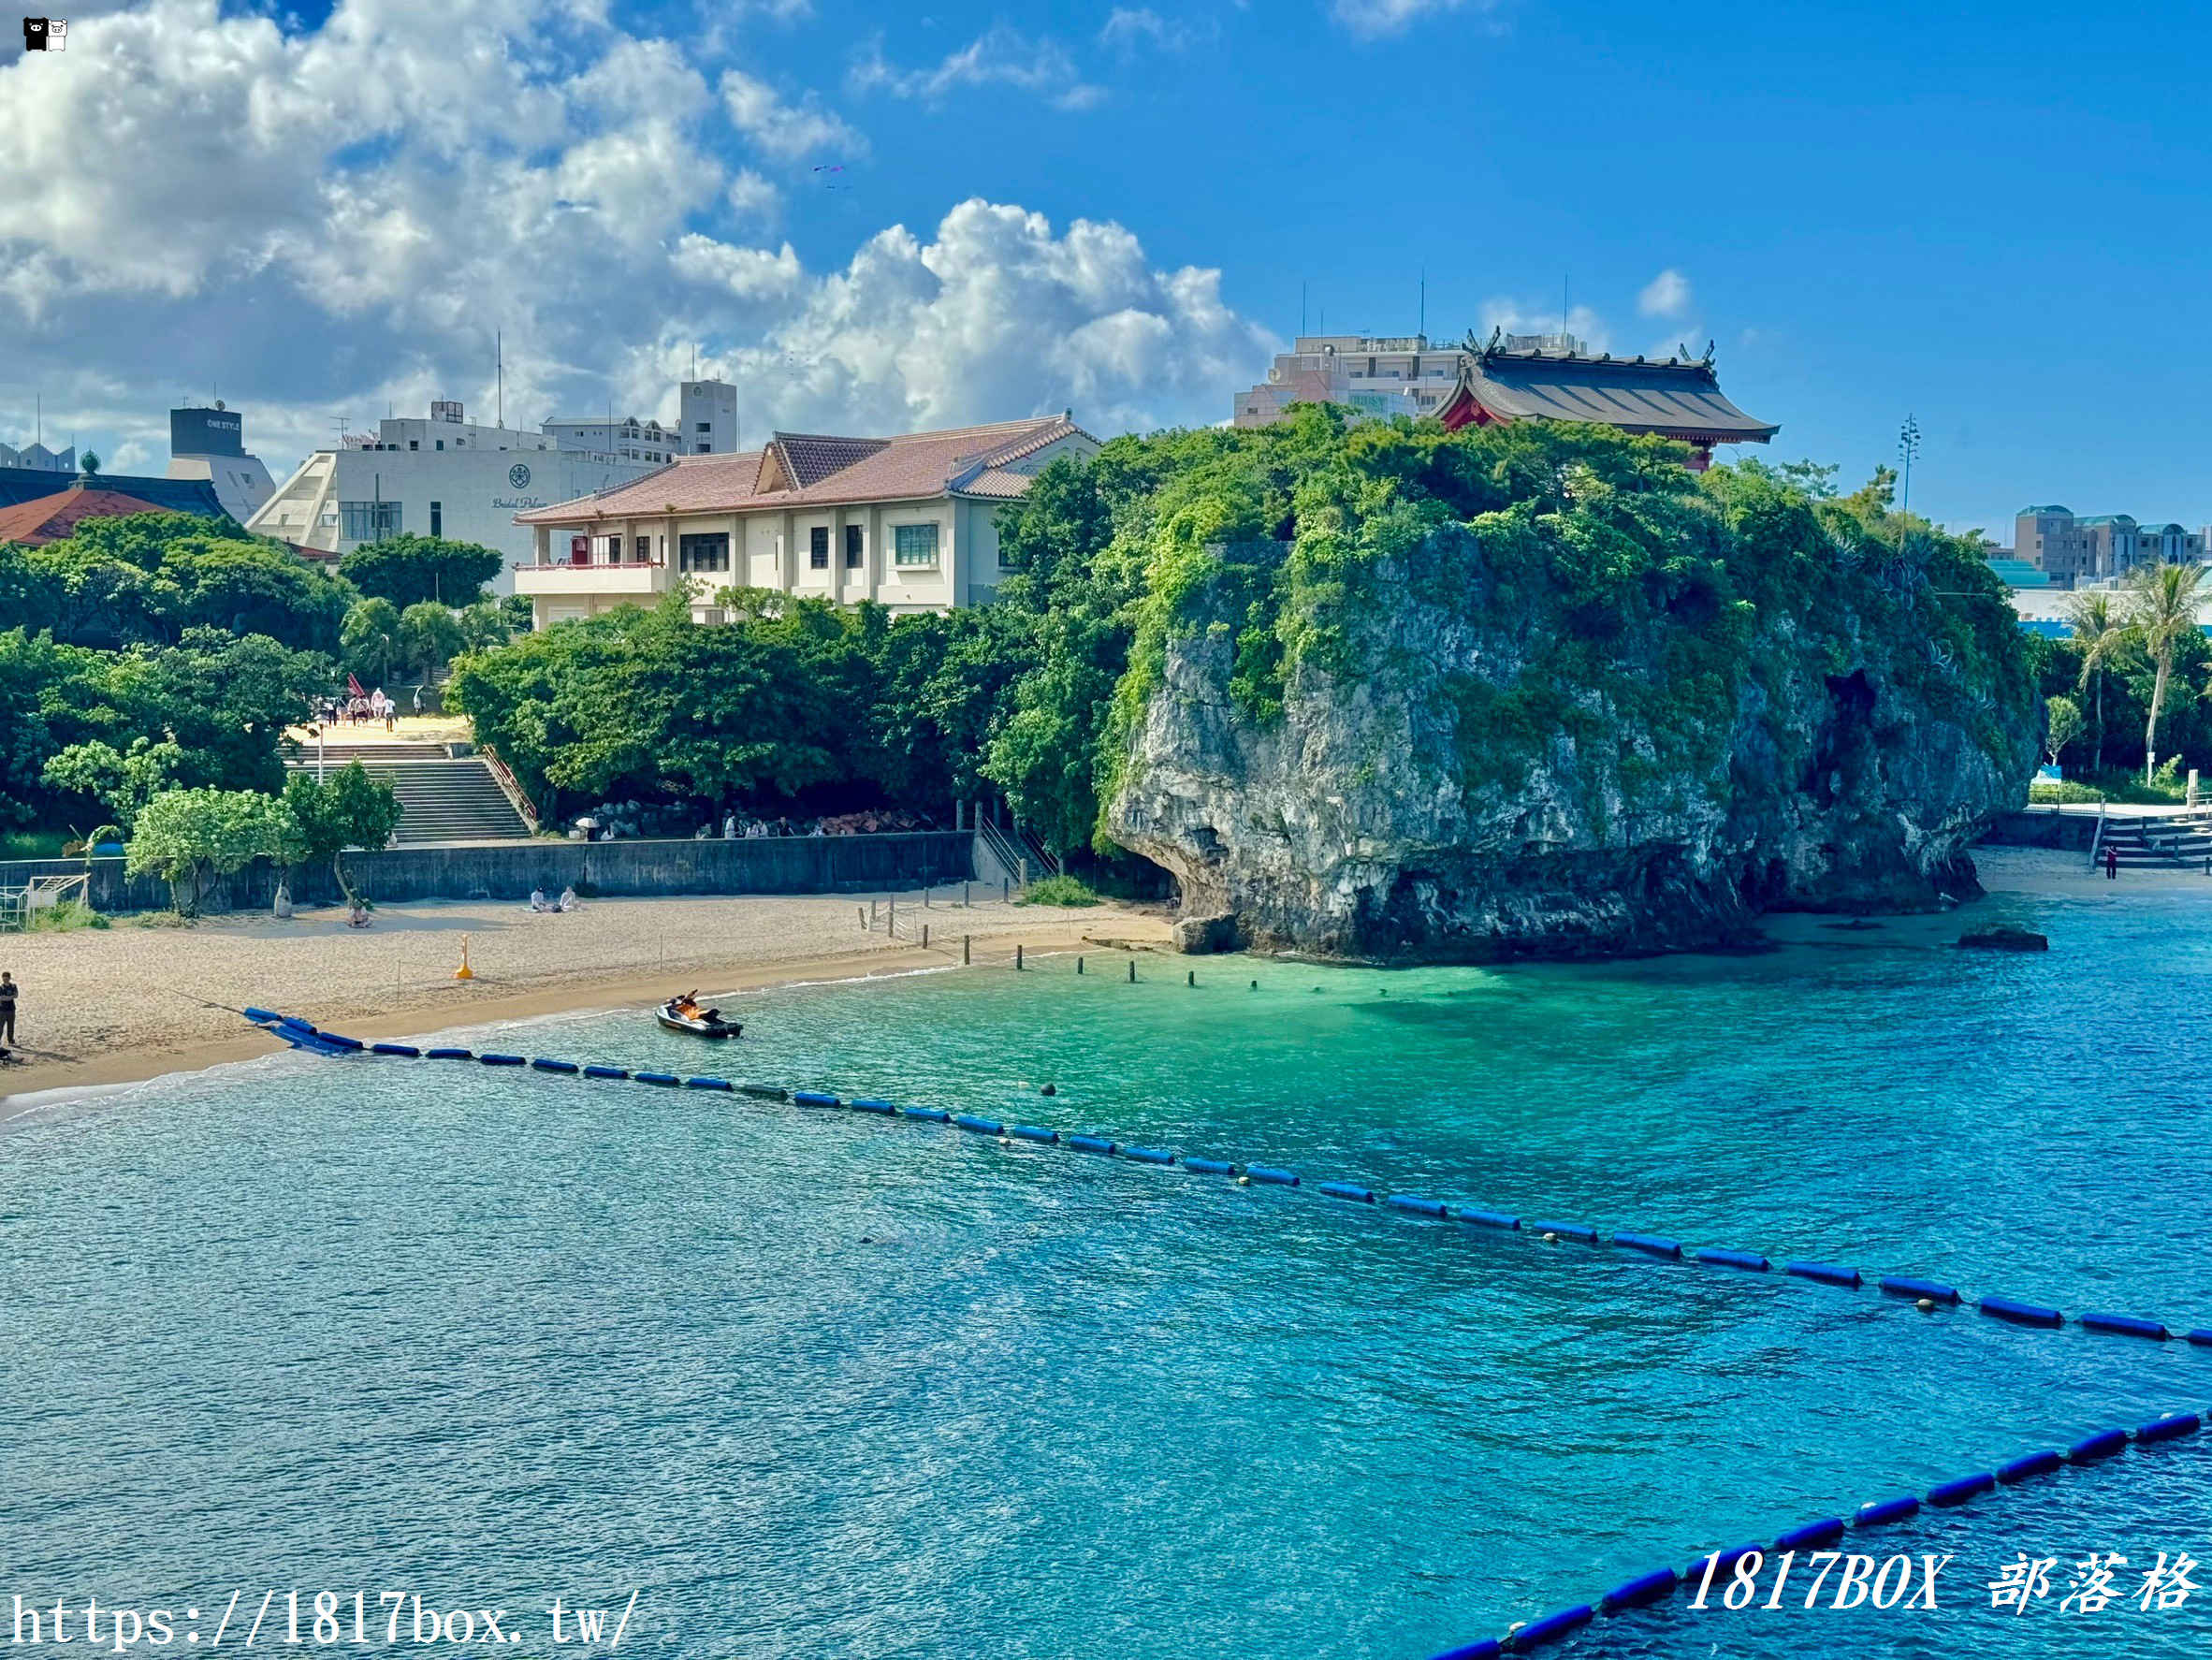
128, 1002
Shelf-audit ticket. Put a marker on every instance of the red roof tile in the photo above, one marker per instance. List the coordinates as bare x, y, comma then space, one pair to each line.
52, 518
824, 471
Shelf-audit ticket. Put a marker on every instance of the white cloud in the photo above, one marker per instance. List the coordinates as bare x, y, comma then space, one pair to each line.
1373, 20
1000, 56
1666, 294
754, 199
326, 224
1131, 27
994, 316
785, 131
1522, 318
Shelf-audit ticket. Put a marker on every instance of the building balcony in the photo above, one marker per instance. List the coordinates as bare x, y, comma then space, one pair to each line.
630, 576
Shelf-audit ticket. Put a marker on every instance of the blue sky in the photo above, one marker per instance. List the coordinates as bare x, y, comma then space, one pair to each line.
1991, 218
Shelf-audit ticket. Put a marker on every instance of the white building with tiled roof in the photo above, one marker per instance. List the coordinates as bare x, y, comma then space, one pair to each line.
909, 522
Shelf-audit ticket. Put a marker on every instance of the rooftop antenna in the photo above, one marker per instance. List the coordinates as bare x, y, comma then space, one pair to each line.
1423, 330
1301, 307
499, 349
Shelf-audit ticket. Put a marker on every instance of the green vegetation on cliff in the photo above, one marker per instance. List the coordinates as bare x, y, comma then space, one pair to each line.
1617, 592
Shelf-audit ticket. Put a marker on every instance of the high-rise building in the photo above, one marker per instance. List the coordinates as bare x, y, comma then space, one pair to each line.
210, 443
706, 423
2104, 546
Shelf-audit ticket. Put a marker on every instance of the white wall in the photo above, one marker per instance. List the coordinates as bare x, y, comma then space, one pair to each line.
479, 492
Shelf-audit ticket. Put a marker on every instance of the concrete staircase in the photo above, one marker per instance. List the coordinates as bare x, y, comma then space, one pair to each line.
441, 799
2168, 841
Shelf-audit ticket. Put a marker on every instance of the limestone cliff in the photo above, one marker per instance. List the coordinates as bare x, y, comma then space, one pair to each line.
1621, 716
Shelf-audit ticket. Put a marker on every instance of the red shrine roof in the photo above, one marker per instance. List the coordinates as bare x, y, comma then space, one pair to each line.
1674, 396
53, 519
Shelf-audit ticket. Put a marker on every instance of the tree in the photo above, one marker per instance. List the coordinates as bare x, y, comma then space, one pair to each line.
2163, 612
190, 836
352, 809
2063, 725
2104, 637
143, 578
410, 569
370, 637
429, 637
89, 463
123, 782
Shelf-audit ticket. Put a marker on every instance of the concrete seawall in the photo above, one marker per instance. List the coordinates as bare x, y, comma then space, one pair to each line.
2042, 826
612, 869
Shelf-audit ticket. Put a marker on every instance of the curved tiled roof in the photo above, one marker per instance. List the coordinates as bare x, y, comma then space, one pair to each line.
1675, 396
814, 470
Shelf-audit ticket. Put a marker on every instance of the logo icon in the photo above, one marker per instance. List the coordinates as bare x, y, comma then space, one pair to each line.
45, 34
518, 475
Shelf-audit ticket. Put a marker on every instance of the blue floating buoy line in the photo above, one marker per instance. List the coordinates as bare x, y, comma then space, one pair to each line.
1709, 1570
1638, 1592
303, 1036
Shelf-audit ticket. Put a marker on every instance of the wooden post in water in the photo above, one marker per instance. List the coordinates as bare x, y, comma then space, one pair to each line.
1078, 965
1132, 970
1190, 977
963, 951
1017, 956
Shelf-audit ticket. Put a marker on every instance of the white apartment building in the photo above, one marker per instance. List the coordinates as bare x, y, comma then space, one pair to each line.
442, 477
210, 443
1379, 376
630, 438
909, 522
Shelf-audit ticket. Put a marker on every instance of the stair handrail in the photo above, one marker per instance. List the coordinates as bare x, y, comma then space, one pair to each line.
2096, 835
1002, 848
510, 786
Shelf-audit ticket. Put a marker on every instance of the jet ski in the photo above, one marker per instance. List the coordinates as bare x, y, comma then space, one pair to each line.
683, 1014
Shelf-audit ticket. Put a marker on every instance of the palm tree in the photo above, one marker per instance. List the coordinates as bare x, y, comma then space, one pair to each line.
2163, 612
2103, 635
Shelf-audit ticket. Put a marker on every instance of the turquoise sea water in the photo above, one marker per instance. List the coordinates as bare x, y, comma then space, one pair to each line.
816, 1384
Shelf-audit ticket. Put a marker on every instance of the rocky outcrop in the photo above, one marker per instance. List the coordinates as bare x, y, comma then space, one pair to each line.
1478, 770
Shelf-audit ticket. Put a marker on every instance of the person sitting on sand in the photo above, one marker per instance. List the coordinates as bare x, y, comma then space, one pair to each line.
357, 917
537, 899
568, 900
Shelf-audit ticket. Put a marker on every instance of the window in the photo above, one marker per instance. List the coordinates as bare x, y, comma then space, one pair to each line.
644, 550
913, 545
852, 547
703, 448
440, 443
415, 443
818, 549
368, 521
437, 518
703, 553
703, 427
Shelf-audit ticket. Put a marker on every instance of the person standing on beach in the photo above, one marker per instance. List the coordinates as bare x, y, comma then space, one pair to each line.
2112, 864
6, 1007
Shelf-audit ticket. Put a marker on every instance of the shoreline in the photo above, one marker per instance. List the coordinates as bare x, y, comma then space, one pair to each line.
437, 1006
534, 977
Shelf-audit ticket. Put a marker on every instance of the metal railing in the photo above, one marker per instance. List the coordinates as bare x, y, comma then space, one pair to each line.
510, 786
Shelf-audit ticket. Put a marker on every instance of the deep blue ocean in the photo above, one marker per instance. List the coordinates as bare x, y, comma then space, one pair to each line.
817, 1384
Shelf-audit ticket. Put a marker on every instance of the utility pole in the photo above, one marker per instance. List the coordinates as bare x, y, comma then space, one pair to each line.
1908, 446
